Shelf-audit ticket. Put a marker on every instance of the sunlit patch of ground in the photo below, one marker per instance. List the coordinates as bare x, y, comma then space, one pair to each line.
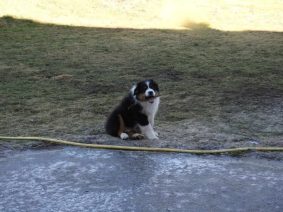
228, 15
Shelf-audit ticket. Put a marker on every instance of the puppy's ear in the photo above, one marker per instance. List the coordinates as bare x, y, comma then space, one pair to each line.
155, 85
133, 89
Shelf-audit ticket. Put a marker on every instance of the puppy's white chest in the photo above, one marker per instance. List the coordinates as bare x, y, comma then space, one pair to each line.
150, 108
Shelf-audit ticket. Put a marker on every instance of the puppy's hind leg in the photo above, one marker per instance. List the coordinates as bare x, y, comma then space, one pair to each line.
137, 136
134, 133
122, 128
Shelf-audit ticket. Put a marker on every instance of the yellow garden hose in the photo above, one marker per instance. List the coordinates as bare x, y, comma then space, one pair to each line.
149, 149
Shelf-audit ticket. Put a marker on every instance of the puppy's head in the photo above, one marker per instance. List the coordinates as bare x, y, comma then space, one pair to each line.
146, 90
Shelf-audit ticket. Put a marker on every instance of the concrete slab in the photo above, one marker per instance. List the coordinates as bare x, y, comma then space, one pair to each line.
77, 179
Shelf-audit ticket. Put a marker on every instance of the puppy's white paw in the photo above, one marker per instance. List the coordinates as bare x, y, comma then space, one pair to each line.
156, 133
154, 137
124, 136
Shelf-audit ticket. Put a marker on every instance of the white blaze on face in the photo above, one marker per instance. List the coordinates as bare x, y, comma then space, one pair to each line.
149, 91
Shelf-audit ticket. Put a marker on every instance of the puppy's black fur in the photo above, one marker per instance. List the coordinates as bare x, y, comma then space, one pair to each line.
131, 114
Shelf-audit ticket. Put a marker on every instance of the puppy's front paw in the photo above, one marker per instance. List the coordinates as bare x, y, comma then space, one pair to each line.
156, 133
154, 137
124, 136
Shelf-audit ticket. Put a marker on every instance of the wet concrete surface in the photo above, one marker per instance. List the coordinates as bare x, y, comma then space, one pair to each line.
78, 179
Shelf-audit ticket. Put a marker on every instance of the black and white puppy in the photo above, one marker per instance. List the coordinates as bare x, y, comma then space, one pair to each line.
134, 117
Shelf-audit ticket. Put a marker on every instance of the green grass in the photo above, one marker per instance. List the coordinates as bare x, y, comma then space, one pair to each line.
57, 80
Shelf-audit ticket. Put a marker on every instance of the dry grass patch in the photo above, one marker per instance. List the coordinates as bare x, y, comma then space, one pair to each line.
59, 80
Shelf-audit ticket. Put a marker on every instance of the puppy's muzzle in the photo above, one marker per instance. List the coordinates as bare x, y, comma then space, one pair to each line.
150, 94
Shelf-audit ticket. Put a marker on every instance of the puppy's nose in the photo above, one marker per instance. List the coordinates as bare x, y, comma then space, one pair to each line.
150, 93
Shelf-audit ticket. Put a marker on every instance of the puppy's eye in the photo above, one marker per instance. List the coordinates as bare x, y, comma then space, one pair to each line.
155, 86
